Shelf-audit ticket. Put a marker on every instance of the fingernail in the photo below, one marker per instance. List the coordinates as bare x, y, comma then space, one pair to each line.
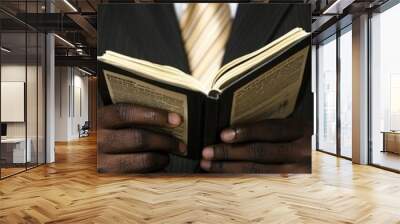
174, 119
208, 153
228, 135
205, 164
183, 148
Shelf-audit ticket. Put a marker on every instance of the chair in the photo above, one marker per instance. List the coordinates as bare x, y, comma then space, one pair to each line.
84, 130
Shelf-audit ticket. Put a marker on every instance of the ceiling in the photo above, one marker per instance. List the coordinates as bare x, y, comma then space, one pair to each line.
74, 21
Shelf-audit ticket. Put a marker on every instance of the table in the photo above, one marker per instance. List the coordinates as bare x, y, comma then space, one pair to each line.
391, 141
13, 150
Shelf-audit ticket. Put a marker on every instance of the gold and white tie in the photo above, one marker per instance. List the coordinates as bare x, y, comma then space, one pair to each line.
205, 30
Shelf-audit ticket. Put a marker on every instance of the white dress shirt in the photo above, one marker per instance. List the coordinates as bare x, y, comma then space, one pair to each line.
180, 8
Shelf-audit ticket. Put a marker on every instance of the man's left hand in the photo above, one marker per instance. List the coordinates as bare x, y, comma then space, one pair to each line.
270, 146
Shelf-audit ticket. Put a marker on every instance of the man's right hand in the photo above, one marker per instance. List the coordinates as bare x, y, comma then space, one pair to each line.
125, 143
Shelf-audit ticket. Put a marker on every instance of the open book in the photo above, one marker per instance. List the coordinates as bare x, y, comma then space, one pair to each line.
263, 84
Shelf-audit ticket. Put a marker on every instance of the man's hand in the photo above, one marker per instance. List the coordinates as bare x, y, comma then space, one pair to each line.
125, 143
271, 146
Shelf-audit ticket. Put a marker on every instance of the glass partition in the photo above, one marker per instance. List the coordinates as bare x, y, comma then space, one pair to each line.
22, 78
15, 150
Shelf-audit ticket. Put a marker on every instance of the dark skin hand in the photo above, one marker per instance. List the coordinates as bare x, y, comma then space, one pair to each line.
270, 146
126, 145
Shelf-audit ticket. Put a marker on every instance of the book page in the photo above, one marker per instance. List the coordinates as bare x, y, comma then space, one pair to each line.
160, 73
272, 94
125, 89
237, 71
247, 57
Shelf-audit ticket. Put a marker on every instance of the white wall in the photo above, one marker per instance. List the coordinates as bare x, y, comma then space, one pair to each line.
16, 73
80, 110
71, 102
62, 81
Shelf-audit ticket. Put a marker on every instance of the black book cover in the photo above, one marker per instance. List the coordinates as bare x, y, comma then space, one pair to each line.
207, 115
195, 101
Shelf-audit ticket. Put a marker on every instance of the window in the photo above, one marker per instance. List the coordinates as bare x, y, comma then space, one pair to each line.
346, 92
326, 90
385, 89
334, 133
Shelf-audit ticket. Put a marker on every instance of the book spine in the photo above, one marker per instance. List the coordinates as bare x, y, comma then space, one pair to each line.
211, 135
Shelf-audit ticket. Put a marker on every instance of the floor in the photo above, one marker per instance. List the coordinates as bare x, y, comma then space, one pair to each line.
10, 171
70, 191
387, 159
5, 172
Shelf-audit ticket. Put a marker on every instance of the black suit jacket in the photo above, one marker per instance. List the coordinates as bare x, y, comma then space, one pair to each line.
151, 32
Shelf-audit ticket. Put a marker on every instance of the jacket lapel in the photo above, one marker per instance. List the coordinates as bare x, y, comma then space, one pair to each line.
146, 31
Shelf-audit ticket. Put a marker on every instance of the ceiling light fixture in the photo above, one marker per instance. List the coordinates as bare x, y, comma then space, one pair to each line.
337, 7
70, 6
5, 50
84, 71
64, 40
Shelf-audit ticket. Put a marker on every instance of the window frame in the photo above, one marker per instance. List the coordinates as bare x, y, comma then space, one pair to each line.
337, 34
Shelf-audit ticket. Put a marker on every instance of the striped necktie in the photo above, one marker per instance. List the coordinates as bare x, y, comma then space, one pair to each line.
205, 30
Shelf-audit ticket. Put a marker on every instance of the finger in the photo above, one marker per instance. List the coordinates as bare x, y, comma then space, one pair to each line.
250, 167
275, 130
131, 163
126, 115
296, 151
137, 140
